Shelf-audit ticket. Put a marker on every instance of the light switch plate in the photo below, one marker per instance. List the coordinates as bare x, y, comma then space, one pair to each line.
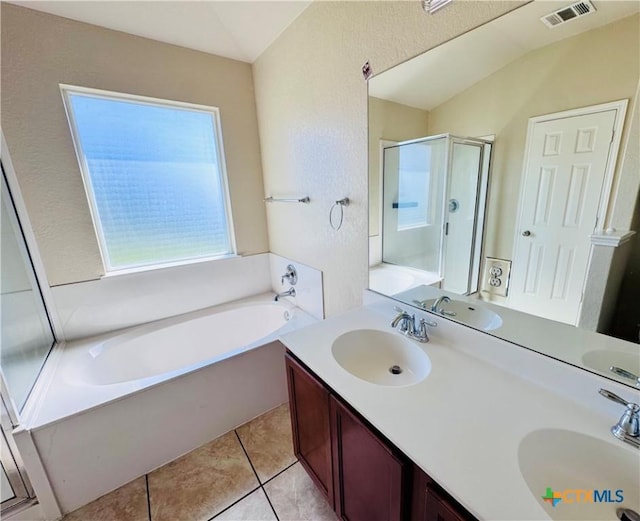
495, 279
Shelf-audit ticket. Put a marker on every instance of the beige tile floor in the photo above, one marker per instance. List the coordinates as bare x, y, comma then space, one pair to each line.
249, 474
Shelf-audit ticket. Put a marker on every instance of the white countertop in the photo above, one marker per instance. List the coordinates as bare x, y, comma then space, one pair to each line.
570, 344
463, 423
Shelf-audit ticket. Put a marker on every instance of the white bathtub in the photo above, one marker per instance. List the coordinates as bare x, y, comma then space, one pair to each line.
179, 345
129, 402
390, 279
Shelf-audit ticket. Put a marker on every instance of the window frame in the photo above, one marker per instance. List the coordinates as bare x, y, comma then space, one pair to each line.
67, 90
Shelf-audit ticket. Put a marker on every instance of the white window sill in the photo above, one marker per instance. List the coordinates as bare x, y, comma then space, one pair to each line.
155, 267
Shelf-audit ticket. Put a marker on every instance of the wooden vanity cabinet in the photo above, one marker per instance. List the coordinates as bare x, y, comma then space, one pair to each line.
310, 412
430, 503
363, 476
367, 472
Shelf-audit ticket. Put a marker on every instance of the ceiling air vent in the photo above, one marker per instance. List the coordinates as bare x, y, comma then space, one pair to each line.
566, 14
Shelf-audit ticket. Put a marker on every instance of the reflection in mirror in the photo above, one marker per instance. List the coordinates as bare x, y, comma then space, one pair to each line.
558, 248
26, 337
433, 195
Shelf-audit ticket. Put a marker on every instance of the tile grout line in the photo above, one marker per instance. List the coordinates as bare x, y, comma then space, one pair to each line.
281, 472
146, 481
234, 503
257, 477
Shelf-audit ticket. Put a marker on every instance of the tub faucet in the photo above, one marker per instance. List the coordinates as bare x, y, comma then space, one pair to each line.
291, 292
291, 275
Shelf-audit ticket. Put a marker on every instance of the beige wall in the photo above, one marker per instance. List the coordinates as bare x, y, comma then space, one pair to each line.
312, 111
39, 51
595, 67
393, 122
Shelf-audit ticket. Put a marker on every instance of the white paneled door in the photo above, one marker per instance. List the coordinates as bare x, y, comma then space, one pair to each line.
565, 169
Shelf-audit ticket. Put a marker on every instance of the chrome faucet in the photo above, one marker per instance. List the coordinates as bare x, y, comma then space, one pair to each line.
291, 275
408, 325
291, 292
403, 318
625, 374
436, 307
628, 427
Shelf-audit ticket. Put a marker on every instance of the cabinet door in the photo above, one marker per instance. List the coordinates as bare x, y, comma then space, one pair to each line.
309, 405
439, 508
368, 477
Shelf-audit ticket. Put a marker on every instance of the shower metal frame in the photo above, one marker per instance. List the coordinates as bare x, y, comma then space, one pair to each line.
482, 194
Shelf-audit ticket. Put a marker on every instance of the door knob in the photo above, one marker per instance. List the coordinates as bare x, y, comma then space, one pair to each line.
526, 233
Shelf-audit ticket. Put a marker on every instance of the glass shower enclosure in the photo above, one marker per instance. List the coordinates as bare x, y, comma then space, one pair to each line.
434, 199
26, 339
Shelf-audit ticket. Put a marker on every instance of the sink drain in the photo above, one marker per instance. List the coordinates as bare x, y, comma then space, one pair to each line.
395, 369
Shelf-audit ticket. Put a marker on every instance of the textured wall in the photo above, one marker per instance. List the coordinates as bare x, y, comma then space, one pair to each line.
312, 112
39, 51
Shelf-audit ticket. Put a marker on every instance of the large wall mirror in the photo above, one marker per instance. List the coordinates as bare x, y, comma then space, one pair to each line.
503, 176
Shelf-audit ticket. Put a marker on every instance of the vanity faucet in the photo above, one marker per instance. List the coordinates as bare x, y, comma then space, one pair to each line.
404, 319
628, 427
436, 307
408, 325
291, 292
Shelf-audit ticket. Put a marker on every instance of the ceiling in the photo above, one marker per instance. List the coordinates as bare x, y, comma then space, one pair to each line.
236, 29
434, 77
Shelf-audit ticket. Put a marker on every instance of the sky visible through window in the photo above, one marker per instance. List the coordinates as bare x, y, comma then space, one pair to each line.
156, 179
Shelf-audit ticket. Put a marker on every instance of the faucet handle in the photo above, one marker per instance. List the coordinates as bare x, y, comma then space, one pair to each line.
628, 427
401, 312
625, 374
406, 321
430, 323
291, 275
615, 398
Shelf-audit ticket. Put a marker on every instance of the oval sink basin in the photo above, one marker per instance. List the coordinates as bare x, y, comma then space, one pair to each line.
381, 358
473, 315
575, 466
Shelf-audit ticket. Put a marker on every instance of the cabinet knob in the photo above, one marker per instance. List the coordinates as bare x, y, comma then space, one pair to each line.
526, 233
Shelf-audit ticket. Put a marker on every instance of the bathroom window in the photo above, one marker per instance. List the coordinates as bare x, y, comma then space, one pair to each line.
155, 177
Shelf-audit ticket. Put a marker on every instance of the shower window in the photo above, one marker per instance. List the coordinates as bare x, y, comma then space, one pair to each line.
414, 181
155, 177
